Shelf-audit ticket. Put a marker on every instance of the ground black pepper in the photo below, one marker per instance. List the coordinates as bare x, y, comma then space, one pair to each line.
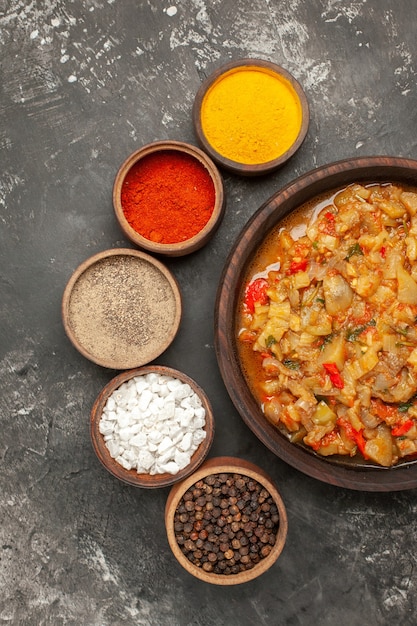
121, 309
226, 523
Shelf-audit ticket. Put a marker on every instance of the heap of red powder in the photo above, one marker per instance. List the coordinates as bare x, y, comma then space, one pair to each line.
168, 196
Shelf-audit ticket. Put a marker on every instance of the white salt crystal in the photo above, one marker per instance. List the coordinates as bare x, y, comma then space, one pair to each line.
146, 459
145, 399
200, 413
165, 444
166, 456
181, 459
155, 436
123, 418
186, 417
106, 428
173, 383
122, 461
140, 383
125, 434
199, 436
110, 404
198, 423
182, 391
186, 442
113, 448
170, 468
138, 440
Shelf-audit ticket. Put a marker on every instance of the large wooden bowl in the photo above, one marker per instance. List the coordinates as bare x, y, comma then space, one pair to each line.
354, 475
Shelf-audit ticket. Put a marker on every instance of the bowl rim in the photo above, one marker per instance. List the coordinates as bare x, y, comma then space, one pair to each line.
131, 477
232, 465
84, 267
280, 204
193, 243
229, 164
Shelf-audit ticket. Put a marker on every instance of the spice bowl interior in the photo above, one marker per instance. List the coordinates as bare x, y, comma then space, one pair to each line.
151, 426
251, 116
121, 308
226, 523
168, 198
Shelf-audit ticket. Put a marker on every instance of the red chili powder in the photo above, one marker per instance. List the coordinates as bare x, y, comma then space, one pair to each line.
168, 196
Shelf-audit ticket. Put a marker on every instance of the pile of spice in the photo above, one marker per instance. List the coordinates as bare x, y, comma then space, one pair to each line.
153, 423
121, 311
226, 523
251, 115
168, 196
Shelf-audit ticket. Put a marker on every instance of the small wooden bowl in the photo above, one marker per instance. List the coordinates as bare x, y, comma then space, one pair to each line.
121, 308
266, 67
182, 247
131, 477
226, 465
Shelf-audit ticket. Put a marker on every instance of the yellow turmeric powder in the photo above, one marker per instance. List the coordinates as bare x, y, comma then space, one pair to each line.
251, 115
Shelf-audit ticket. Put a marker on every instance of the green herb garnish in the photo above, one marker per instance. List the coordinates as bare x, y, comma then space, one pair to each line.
292, 365
353, 334
355, 249
270, 341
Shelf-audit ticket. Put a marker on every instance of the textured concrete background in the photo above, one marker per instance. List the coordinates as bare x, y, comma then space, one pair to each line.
82, 84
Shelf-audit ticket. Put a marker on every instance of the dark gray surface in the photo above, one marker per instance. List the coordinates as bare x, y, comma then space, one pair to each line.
83, 84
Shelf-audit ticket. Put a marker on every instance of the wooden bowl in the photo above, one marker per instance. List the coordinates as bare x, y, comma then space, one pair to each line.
354, 474
121, 308
131, 476
199, 239
226, 465
230, 105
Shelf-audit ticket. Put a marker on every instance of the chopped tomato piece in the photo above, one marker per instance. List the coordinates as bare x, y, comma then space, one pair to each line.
297, 266
256, 292
334, 374
402, 429
383, 410
354, 435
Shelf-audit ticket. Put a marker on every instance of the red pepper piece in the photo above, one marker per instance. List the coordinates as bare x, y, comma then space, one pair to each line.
329, 216
354, 435
360, 442
383, 252
334, 374
297, 266
256, 292
402, 429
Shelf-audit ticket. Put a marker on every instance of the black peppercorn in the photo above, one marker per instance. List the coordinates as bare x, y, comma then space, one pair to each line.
226, 523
